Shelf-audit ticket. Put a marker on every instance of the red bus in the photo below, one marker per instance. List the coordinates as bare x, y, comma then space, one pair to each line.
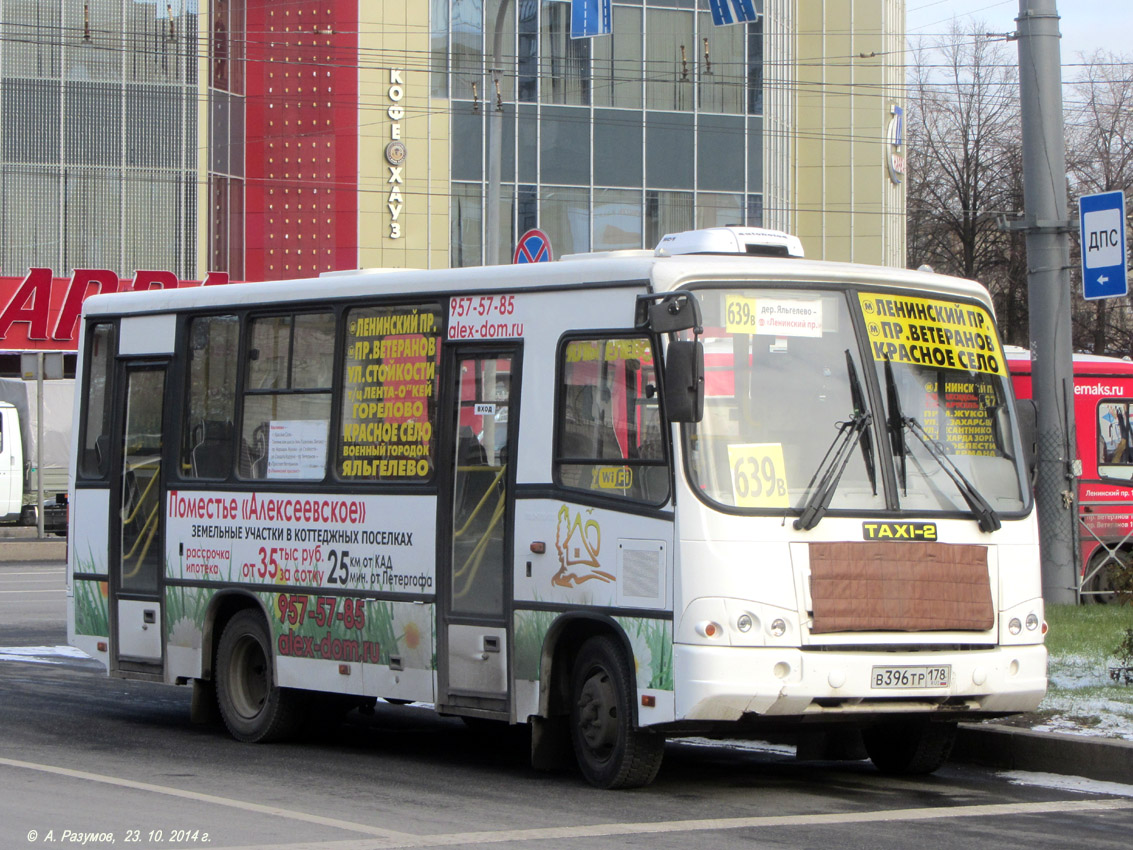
1103, 423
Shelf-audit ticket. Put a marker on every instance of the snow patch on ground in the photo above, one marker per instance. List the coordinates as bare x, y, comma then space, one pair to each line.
41, 654
1074, 706
1067, 783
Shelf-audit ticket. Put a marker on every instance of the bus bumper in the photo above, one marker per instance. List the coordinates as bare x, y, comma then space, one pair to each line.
727, 683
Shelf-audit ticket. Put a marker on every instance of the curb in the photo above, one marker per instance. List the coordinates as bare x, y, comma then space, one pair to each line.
1011, 748
14, 549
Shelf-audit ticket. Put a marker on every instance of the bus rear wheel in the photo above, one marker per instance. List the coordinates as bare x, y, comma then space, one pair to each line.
909, 748
254, 708
610, 750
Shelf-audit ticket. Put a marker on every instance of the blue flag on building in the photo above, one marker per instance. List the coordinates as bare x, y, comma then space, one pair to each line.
733, 12
591, 17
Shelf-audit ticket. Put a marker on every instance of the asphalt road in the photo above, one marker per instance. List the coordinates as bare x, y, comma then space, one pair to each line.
119, 762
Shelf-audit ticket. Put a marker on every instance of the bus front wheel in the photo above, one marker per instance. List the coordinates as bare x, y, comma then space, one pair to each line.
909, 748
611, 751
254, 708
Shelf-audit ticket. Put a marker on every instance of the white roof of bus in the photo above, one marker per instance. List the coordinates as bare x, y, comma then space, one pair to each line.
665, 272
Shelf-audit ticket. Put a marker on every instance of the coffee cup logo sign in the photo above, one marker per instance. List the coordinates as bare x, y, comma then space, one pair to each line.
395, 153
895, 145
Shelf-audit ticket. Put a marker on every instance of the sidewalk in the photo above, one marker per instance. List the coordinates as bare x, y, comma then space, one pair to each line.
19, 543
1012, 748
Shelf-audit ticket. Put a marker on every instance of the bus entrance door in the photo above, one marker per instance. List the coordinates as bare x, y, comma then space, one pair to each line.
473, 632
136, 528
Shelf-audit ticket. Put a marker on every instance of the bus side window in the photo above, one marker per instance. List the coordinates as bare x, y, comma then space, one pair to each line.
286, 405
94, 451
609, 429
390, 385
207, 432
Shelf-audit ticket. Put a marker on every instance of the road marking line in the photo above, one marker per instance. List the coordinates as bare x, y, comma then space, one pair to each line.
389, 839
402, 838
763, 822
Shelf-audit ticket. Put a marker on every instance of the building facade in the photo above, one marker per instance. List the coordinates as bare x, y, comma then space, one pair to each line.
272, 140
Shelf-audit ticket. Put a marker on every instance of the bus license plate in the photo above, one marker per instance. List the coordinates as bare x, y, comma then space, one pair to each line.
912, 677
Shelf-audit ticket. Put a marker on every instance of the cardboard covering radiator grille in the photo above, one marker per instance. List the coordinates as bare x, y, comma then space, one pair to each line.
868, 586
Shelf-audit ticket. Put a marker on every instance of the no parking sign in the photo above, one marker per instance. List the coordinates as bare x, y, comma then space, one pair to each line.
533, 247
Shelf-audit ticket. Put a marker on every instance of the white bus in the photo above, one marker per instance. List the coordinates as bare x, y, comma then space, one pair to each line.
712, 489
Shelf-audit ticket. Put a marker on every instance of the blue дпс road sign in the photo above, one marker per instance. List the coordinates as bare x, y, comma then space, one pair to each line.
1102, 218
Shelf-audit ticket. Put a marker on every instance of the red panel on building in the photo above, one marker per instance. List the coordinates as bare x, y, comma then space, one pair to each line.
301, 192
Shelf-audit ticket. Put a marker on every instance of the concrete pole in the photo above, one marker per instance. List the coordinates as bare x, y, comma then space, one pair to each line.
495, 144
1048, 290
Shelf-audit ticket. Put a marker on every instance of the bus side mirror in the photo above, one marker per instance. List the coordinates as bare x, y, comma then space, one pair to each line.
684, 381
1027, 414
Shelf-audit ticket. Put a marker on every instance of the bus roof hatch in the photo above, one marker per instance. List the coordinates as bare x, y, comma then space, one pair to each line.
731, 240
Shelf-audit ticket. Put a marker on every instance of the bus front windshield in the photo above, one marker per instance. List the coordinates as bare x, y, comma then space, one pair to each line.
803, 416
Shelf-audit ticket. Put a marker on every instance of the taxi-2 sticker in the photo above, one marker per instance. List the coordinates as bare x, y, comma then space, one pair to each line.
899, 531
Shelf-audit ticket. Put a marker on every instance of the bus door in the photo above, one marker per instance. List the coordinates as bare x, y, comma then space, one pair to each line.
137, 545
476, 536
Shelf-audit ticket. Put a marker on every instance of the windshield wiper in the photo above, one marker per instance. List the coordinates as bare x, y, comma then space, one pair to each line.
857, 397
833, 463
985, 514
896, 425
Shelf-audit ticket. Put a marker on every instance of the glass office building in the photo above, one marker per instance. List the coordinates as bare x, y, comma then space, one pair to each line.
98, 135
608, 142
274, 140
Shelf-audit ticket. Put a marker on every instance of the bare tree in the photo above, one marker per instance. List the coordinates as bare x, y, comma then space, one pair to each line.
1099, 145
965, 167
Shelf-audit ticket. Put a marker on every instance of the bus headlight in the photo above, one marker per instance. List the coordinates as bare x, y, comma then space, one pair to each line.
778, 627
1032, 622
744, 623
1015, 626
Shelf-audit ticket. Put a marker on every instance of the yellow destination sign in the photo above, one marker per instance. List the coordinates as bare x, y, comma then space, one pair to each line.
931, 332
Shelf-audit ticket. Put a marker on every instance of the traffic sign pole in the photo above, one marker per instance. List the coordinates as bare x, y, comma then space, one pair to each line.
1048, 291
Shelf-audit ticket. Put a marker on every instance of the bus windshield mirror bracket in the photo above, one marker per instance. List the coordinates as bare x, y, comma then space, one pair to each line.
671, 312
668, 313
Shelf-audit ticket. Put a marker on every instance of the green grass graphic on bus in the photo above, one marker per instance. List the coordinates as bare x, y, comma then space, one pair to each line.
651, 641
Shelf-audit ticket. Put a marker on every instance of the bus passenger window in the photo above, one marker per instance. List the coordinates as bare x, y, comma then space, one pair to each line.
390, 378
286, 411
207, 434
610, 439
